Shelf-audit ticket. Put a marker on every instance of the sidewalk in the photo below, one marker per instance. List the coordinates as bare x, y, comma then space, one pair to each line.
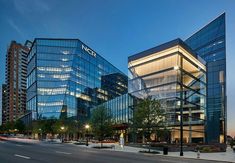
228, 156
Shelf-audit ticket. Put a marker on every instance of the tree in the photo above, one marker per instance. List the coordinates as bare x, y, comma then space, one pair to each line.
148, 116
20, 126
8, 127
47, 126
73, 126
101, 123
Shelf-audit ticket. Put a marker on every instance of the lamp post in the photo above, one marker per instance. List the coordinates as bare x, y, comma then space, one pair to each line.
40, 133
62, 129
87, 128
181, 106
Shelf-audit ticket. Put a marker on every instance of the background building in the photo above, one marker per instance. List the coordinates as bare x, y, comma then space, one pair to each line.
4, 98
175, 76
0, 105
67, 78
210, 44
16, 71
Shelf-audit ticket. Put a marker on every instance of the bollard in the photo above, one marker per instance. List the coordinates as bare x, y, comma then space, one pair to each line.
198, 154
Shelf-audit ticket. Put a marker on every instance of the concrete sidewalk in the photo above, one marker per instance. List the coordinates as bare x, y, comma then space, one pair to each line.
228, 156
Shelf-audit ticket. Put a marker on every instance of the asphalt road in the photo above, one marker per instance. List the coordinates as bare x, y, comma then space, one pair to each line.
11, 152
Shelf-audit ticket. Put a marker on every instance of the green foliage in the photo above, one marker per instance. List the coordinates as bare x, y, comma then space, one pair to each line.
232, 143
9, 126
13, 127
19, 125
36, 126
47, 126
148, 116
54, 126
101, 123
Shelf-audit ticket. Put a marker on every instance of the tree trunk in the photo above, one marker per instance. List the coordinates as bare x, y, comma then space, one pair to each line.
143, 139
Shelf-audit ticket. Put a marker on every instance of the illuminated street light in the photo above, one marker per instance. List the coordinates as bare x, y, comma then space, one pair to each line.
87, 127
62, 139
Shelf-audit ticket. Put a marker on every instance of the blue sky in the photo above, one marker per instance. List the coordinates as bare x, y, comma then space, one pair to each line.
117, 29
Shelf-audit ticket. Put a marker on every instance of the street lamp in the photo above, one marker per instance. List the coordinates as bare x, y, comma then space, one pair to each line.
40, 133
180, 103
62, 129
87, 128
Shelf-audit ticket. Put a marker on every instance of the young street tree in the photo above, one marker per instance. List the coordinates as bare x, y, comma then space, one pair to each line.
101, 123
148, 116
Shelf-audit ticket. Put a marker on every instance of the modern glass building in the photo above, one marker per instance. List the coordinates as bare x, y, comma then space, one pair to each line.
210, 44
175, 76
66, 77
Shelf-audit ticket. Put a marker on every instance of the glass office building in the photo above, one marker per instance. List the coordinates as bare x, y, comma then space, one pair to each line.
210, 44
66, 77
175, 76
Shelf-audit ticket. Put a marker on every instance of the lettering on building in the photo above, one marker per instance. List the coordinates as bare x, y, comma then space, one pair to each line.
88, 50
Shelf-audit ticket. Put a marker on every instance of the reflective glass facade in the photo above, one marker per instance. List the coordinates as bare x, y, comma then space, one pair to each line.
210, 44
120, 108
174, 75
66, 77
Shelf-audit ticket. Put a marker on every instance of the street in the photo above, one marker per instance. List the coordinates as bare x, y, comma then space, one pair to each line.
12, 152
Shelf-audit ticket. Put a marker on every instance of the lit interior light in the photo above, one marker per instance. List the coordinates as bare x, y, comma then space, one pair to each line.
64, 59
178, 117
51, 91
58, 103
65, 52
176, 67
41, 76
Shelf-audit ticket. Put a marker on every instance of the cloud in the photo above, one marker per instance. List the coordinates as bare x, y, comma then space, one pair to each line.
25, 7
16, 27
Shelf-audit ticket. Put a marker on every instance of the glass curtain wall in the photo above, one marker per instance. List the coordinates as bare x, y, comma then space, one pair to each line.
119, 109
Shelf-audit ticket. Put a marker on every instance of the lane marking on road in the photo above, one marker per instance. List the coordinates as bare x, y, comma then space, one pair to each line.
66, 153
172, 161
21, 156
90, 151
19, 145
